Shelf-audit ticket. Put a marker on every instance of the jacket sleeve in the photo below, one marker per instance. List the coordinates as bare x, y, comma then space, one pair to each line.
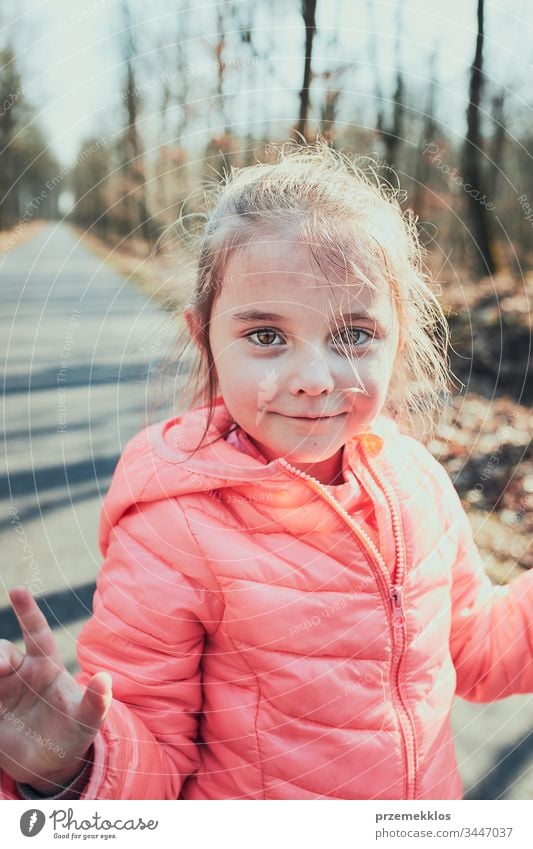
491, 638
148, 629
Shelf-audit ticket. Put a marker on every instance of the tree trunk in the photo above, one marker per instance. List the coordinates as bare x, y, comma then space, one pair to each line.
498, 143
429, 131
473, 175
391, 132
309, 16
137, 216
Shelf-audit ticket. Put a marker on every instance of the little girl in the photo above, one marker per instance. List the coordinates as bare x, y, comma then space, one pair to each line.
291, 595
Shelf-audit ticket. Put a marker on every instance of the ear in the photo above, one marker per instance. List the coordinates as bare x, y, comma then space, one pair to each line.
193, 325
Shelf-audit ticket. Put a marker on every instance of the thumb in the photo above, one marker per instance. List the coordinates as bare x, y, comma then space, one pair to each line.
96, 700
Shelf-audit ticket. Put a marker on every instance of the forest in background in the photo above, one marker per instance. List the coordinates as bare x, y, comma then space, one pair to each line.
195, 96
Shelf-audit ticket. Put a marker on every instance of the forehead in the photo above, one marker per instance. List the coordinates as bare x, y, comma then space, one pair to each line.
281, 271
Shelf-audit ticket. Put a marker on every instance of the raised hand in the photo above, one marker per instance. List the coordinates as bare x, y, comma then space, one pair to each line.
47, 719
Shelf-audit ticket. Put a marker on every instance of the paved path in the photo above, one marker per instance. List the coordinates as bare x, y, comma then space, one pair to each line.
79, 342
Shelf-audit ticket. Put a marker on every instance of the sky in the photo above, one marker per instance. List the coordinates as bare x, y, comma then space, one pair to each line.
70, 57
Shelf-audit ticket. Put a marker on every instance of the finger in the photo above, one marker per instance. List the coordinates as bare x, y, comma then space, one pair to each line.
36, 631
10, 658
96, 700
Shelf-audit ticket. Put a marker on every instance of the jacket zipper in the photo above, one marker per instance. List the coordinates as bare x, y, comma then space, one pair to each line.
400, 629
393, 602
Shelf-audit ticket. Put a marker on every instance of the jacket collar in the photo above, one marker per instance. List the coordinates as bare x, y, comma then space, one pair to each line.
161, 463
177, 439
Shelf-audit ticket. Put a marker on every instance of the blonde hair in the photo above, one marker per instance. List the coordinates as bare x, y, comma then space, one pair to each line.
351, 218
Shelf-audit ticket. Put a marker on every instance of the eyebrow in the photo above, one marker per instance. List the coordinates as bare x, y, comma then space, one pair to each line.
258, 315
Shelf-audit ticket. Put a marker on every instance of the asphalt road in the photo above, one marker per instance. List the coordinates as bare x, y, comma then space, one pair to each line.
81, 344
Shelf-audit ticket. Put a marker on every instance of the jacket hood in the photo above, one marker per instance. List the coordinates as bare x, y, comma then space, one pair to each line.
161, 462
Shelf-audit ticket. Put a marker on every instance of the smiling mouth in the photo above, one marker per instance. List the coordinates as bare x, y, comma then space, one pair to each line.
316, 418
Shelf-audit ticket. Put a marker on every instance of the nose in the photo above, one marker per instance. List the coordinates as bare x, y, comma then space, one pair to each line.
311, 375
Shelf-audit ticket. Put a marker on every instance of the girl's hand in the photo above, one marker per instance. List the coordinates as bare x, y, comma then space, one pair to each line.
47, 720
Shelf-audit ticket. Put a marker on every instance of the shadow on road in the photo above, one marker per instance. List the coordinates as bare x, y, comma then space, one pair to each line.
60, 608
85, 375
44, 478
511, 762
46, 506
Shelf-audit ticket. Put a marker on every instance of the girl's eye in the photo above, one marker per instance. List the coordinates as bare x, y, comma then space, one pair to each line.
265, 331
355, 338
358, 336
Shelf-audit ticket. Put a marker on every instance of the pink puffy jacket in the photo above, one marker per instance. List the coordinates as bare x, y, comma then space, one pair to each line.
262, 646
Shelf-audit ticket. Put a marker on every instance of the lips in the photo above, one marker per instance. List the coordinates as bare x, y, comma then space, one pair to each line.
317, 417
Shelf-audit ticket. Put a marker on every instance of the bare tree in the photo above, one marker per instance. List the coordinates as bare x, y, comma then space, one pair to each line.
219, 49
26, 161
333, 87
11, 94
309, 15
220, 146
394, 135
328, 112
258, 64
428, 135
390, 131
170, 183
89, 181
473, 174
133, 168
497, 146
182, 94
165, 102
243, 19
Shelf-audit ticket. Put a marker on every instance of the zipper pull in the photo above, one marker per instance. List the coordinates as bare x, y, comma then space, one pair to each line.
397, 605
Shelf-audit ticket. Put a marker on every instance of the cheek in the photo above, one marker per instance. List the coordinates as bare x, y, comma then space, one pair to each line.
255, 383
228, 363
372, 374
377, 373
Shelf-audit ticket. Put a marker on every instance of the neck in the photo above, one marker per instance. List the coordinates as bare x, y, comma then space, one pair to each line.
327, 472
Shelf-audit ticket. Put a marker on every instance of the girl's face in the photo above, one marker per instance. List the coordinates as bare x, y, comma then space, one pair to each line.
303, 362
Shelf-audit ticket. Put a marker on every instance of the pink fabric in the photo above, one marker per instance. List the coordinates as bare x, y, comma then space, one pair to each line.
261, 646
350, 493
